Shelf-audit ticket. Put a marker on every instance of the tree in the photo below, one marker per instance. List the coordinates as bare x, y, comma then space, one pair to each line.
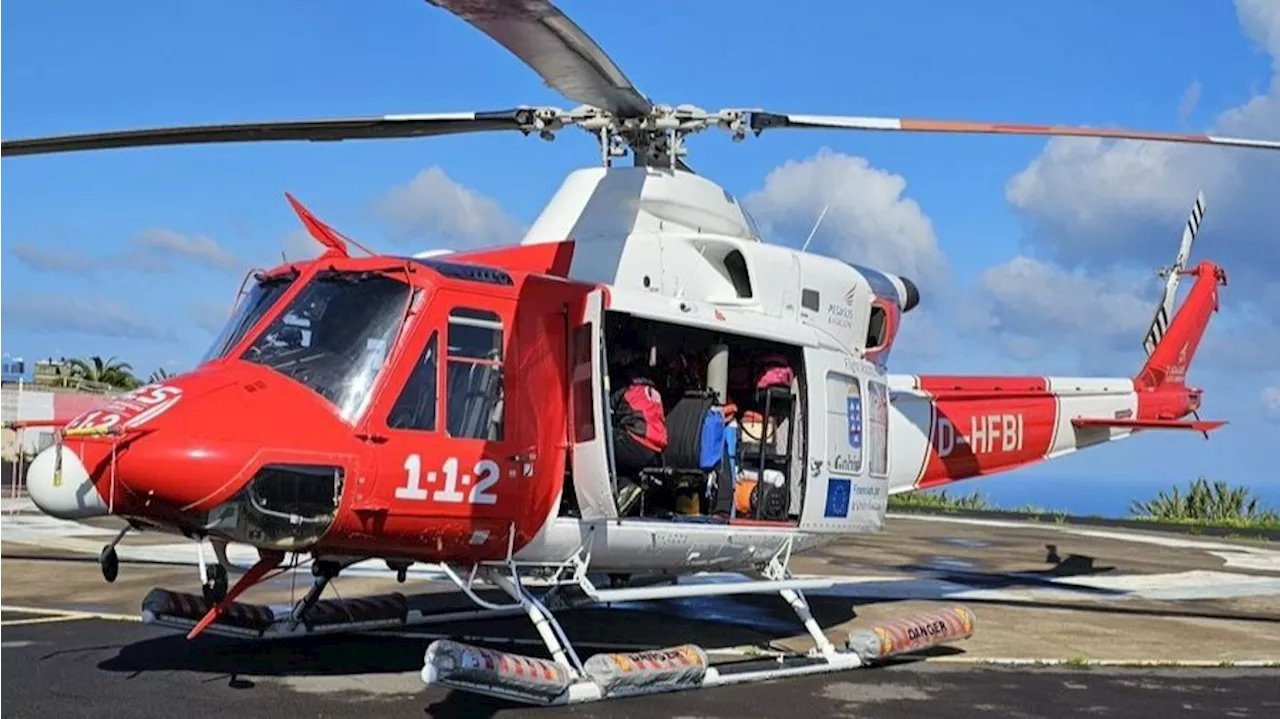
108, 371
159, 375
1204, 502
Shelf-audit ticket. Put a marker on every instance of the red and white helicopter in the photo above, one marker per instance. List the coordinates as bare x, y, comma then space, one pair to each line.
455, 410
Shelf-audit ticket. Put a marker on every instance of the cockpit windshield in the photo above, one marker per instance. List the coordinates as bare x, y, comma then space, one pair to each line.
256, 303
335, 336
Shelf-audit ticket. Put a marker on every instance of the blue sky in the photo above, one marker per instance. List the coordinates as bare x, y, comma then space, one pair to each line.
1033, 251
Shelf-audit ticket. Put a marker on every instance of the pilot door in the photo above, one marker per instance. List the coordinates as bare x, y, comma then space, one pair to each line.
847, 486
451, 448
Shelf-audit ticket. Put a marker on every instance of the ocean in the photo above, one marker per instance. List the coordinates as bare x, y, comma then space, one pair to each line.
1086, 496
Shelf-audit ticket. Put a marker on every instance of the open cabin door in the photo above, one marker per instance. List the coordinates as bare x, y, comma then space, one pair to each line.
848, 483
589, 417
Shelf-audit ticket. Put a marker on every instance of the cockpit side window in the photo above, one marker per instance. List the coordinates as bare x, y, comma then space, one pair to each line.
415, 408
252, 306
474, 390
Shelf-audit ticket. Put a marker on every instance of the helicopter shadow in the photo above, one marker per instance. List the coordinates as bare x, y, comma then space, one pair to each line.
709, 622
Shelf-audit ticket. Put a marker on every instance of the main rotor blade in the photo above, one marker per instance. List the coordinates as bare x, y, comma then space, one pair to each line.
761, 121
564, 55
329, 130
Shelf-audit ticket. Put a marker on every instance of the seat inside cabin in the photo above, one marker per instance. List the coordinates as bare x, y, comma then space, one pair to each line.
729, 402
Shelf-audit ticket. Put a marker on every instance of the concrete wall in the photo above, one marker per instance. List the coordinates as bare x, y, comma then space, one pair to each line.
27, 402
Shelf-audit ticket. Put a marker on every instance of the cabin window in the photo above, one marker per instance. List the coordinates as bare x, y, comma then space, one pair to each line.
736, 264
415, 408
876, 327
877, 428
474, 392
584, 418
809, 300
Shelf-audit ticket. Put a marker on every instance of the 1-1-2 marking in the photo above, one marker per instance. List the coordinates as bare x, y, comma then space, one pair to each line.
486, 472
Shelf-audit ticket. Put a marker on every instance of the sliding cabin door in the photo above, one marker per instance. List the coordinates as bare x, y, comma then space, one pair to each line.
593, 478
848, 485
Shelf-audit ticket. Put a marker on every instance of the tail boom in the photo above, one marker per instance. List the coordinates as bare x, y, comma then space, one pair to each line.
950, 428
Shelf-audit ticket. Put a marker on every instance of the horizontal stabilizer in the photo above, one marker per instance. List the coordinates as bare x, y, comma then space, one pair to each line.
1198, 425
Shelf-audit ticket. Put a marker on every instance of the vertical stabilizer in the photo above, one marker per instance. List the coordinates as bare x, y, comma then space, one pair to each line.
1164, 312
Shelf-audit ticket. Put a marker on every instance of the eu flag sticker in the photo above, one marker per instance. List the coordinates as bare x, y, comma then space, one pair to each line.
839, 492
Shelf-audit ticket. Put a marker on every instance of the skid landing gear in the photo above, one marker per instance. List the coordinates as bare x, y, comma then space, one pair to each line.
565, 679
308, 616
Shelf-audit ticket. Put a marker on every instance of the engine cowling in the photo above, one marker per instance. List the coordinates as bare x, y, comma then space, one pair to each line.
894, 288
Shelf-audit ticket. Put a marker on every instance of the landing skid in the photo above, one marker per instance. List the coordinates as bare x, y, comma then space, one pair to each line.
564, 678
242, 620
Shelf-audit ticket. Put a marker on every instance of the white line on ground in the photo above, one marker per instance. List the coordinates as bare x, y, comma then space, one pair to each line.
1080, 661
39, 620
67, 613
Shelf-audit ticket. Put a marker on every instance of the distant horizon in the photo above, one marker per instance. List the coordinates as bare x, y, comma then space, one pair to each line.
1054, 492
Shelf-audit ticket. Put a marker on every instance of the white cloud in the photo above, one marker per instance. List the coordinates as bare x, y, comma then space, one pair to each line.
211, 316
153, 250
160, 244
1190, 99
1094, 200
299, 245
435, 207
1033, 304
52, 259
59, 312
1271, 398
869, 221
1099, 205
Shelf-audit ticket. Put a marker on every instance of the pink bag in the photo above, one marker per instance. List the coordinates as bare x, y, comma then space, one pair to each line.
775, 377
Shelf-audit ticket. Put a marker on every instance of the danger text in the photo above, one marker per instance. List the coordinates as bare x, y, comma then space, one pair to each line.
485, 474
926, 631
987, 433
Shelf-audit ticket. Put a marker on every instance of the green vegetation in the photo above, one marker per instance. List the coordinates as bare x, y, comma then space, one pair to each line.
1216, 505
117, 375
93, 374
1202, 504
939, 501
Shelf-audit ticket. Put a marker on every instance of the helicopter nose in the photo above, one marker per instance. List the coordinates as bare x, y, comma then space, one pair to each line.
61, 486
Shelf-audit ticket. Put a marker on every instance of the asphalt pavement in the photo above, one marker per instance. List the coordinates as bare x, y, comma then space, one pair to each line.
77, 667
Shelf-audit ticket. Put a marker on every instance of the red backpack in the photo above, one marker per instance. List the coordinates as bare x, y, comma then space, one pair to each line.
638, 407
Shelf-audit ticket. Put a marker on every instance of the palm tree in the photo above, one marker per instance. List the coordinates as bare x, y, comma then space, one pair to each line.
159, 375
108, 372
1217, 502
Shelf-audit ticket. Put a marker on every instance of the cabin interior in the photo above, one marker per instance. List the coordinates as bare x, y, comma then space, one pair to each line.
733, 406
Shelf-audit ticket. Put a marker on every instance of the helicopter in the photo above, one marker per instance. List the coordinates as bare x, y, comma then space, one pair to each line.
460, 409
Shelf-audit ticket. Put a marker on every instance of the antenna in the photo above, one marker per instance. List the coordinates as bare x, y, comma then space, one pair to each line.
814, 231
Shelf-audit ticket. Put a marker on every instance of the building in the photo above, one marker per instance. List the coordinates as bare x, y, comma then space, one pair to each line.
14, 369
21, 401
